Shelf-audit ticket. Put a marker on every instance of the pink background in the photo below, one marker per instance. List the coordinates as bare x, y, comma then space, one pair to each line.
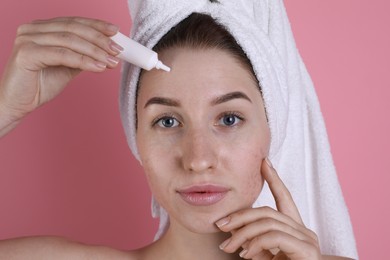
67, 170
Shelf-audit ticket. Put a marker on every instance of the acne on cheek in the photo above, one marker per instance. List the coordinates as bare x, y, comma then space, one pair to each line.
254, 183
255, 180
251, 189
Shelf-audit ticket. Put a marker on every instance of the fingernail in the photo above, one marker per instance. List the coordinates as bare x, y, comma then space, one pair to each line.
112, 28
243, 253
224, 244
113, 60
222, 222
268, 162
116, 47
100, 65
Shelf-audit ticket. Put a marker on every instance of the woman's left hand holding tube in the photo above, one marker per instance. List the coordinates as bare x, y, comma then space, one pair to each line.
261, 231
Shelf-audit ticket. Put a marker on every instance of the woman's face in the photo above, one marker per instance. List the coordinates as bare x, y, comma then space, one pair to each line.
202, 134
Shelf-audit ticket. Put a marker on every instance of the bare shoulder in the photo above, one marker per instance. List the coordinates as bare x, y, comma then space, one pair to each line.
58, 248
329, 257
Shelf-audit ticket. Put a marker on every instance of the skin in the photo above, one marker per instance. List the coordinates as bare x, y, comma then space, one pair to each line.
200, 148
49, 53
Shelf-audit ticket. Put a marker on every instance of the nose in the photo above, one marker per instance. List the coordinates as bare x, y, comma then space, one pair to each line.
199, 151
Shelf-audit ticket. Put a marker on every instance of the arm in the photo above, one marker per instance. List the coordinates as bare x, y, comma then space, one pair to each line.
35, 248
46, 55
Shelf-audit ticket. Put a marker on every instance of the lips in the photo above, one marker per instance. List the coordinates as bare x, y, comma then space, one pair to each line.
203, 195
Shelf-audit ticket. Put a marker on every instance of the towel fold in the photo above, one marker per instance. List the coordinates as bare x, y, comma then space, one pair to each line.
299, 149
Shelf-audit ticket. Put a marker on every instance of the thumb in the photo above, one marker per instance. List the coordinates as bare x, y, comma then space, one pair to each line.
283, 199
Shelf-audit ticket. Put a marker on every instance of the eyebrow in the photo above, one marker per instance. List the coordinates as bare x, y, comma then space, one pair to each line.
230, 96
162, 101
219, 100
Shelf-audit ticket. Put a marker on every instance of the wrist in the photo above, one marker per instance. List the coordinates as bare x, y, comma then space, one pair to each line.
7, 122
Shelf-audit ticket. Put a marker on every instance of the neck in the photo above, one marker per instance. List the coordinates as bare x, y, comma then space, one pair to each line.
188, 245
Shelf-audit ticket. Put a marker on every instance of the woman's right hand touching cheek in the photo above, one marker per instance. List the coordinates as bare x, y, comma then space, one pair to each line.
47, 54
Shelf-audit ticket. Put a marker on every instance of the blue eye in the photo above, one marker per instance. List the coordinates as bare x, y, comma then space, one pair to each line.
167, 122
230, 120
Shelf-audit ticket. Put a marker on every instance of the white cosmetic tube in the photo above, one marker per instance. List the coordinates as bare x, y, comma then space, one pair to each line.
138, 54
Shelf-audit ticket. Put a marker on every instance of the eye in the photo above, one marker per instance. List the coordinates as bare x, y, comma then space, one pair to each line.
230, 119
167, 122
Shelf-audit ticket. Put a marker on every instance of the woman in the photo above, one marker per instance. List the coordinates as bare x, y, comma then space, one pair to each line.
203, 146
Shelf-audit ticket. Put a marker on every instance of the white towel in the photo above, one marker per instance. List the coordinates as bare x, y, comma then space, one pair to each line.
299, 144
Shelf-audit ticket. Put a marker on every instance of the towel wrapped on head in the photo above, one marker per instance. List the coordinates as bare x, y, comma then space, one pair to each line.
299, 148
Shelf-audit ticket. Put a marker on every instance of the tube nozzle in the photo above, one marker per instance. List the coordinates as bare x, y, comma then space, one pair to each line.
162, 66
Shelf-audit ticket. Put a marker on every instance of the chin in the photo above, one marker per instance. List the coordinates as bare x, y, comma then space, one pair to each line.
202, 223
206, 228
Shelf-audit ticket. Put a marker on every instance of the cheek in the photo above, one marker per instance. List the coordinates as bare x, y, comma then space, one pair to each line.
152, 162
158, 164
158, 183
246, 165
151, 176
252, 179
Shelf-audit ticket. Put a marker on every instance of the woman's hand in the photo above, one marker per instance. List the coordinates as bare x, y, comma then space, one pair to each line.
47, 54
261, 231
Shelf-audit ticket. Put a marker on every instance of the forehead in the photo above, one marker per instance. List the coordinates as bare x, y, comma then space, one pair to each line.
197, 72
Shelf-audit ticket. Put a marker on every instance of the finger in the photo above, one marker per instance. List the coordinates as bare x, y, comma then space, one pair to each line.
258, 228
246, 245
72, 42
68, 28
264, 255
292, 247
35, 57
100, 25
283, 198
244, 217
